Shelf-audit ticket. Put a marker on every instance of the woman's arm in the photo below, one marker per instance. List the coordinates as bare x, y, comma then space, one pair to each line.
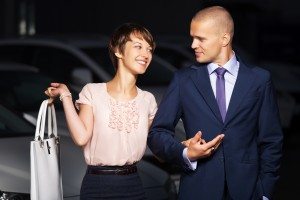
80, 125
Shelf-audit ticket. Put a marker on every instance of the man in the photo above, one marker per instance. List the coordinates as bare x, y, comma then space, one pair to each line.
220, 95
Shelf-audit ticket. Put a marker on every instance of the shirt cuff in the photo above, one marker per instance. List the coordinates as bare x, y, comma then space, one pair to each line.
265, 198
192, 164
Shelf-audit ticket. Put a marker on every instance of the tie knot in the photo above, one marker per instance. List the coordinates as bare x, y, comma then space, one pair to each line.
220, 71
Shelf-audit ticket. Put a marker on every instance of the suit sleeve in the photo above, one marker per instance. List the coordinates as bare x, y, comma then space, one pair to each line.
270, 140
161, 139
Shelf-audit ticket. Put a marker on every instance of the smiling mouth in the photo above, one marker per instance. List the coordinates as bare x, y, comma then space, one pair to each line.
142, 62
198, 53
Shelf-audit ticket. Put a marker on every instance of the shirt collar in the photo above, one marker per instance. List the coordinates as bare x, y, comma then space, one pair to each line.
231, 66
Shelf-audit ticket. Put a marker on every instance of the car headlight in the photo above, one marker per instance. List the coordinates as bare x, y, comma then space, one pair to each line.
14, 196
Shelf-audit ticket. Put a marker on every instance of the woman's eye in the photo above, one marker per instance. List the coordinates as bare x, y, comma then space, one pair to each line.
138, 47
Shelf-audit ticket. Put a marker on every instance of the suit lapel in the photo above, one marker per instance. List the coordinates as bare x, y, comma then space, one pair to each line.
243, 83
202, 83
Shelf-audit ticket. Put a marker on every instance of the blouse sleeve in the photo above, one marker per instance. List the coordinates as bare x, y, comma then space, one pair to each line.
85, 97
152, 107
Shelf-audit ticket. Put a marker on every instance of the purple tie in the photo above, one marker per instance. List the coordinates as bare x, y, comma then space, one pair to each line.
220, 91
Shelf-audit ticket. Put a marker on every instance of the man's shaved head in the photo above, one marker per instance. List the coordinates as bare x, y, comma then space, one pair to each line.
219, 16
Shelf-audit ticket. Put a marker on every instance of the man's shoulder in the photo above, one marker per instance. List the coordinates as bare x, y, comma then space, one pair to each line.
259, 71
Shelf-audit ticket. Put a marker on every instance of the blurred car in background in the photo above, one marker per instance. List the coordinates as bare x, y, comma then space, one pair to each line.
23, 89
15, 136
286, 79
61, 62
77, 61
175, 54
175, 49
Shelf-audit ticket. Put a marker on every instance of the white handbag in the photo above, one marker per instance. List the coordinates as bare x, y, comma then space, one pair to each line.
45, 174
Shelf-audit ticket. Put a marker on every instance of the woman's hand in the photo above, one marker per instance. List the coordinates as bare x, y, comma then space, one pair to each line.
56, 90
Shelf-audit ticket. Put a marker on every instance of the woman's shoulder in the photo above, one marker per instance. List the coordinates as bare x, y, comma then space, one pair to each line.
148, 96
94, 86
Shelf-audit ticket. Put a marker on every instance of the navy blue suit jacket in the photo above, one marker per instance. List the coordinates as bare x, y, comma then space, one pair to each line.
248, 158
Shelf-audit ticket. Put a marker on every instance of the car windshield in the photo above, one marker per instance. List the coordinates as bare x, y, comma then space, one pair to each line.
23, 90
12, 125
173, 56
156, 75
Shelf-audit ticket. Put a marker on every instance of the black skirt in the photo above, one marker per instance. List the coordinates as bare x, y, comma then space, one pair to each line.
98, 184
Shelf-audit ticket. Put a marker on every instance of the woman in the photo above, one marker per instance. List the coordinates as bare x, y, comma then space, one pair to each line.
113, 119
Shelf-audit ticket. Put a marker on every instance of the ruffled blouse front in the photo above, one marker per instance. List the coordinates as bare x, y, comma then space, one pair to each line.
120, 128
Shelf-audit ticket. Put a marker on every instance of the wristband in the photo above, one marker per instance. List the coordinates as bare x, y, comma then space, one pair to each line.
65, 94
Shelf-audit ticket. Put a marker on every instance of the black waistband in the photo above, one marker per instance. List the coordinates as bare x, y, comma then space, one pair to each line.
112, 170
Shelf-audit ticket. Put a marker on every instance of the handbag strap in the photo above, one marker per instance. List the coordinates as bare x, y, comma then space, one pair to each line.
40, 126
52, 131
39, 119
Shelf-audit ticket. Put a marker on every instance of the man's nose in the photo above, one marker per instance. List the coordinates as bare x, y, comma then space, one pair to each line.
193, 45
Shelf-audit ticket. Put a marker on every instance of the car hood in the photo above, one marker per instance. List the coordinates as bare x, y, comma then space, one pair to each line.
15, 168
15, 165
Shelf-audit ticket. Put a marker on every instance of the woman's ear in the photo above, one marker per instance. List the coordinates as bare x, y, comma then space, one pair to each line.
118, 55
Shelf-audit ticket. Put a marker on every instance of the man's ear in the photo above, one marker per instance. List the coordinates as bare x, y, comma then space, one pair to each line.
226, 39
118, 55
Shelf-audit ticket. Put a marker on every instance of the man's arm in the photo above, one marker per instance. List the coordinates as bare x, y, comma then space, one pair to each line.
270, 140
161, 136
161, 139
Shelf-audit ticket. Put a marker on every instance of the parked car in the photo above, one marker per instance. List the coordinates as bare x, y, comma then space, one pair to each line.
286, 78
15, 136
79, 61
175, 54
22, 88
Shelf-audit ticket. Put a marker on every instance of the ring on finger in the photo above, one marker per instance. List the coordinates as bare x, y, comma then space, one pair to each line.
49, 91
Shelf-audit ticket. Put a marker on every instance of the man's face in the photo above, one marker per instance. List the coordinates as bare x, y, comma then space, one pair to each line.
207, 41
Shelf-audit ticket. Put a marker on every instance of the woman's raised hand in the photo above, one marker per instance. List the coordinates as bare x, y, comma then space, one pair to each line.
56, 89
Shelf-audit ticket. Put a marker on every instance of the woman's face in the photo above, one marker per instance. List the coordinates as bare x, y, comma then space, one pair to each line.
136, 56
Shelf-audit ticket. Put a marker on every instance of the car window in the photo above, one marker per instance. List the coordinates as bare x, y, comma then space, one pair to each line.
12, 125
16, 53
54, 62
156, 75
21, 90
57, 63
101, 56
172, 56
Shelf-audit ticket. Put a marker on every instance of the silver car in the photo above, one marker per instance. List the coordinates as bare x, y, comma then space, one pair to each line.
19, 89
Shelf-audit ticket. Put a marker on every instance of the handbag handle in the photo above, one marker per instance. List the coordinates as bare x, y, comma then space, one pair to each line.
40, 126
51, 115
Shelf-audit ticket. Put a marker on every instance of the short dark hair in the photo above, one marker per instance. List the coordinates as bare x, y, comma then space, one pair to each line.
122, 35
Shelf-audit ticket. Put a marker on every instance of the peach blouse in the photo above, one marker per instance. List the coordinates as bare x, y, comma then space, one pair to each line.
120, 128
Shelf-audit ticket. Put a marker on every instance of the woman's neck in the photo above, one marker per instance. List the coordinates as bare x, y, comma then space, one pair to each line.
122, 86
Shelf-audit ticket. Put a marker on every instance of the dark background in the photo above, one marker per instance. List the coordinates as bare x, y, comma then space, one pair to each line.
265, 29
